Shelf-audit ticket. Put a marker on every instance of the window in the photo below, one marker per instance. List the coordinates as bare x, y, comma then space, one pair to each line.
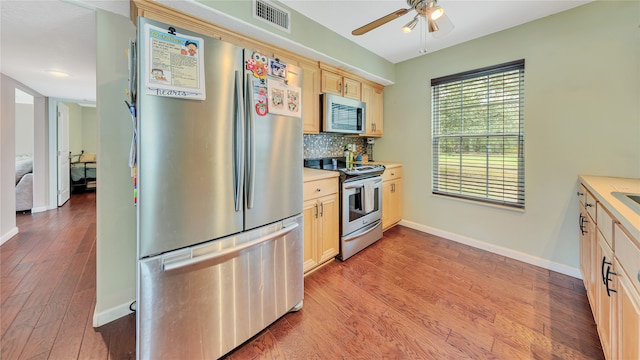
478, 134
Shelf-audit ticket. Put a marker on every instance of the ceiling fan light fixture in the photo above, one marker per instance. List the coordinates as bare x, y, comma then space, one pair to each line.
436, 13
432, 26
410, 25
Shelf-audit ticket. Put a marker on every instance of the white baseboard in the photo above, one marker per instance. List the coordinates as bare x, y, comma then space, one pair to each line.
11, 233
510, 253
39, 209
109, 315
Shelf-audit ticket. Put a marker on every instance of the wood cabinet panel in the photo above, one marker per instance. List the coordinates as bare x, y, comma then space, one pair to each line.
321, 219
606, 289
391, 197
338, 84
310, 98
628, 319
331, 83
373, 98
330, 232
310, 213
351, 88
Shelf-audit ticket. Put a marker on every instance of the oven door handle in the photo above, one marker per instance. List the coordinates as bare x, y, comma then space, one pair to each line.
365, 230
358, 186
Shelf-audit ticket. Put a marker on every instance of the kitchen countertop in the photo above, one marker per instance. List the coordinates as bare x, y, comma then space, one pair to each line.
317, 174
602, 187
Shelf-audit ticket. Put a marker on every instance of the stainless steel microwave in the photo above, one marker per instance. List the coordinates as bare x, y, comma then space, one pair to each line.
342, 115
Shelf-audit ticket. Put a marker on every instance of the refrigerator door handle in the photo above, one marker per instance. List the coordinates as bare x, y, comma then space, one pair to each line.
251, 148
174, 265
239, 142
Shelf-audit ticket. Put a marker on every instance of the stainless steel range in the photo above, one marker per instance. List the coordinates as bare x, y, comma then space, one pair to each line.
360, 203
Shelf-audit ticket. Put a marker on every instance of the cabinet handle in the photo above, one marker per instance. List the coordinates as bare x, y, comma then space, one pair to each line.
606, 283
605, 262
346, 88
587, 205
317, 217
582, 221
580, 194
393, 174
340, 87
318, 190
321, 209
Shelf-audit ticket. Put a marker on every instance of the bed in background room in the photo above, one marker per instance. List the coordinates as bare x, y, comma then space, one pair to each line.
83, 171
24, 183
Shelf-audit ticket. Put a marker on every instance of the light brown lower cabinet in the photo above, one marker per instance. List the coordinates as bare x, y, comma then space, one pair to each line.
610, 266
321, 222
391, 196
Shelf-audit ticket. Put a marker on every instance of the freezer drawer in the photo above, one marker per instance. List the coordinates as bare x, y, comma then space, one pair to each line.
201, 302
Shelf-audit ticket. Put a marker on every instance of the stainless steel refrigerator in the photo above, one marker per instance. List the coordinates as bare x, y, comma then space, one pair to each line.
220, 238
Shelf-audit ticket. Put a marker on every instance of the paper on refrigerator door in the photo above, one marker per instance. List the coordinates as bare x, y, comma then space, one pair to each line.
174, 64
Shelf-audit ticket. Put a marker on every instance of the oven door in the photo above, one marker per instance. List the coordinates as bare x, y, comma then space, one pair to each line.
358, 207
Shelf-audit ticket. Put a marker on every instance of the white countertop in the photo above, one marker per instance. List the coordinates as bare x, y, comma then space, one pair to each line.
602, 187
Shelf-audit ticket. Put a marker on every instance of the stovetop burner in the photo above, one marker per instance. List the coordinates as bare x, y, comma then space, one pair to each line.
347, 171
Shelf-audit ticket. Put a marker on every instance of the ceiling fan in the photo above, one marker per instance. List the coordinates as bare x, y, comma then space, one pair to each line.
428, 9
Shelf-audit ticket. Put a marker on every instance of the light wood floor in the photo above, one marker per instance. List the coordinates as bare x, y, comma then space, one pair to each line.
408, 296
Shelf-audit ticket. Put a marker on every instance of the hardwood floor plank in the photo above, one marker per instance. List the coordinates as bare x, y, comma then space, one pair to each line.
94, 341
10, 309
69, 337
18, 334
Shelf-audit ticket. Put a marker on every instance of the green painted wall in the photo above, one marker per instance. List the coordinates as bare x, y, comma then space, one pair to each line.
582, 116
116, 215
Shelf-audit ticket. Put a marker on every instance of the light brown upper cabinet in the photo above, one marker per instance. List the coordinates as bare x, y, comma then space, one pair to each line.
373, 96
334, 83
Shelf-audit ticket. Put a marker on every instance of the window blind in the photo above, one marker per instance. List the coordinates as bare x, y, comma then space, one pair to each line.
478, 134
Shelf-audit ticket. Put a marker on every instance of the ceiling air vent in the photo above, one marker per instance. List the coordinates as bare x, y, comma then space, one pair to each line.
272, 14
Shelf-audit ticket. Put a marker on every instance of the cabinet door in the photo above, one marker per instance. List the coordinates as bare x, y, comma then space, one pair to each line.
310, 212
606, 298
328, 236
310, 98
396, 202
351, 88
378, 114
331, 83
386, 204
628, 319
373, 97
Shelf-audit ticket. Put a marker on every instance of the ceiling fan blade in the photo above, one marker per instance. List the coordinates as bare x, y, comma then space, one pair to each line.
383, 20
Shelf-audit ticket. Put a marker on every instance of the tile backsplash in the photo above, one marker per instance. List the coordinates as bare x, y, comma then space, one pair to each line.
331, 145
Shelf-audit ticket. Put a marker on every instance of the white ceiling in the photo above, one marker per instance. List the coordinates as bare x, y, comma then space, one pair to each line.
471, 19
60, 35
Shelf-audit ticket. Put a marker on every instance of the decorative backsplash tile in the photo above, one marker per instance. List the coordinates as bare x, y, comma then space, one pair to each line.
331, 145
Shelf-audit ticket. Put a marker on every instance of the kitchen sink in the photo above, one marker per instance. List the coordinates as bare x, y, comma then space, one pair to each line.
629, 199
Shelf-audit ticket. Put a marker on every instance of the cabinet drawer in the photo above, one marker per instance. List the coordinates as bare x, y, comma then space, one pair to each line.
317, 188
628, 254
605, 224
582, 194
590, 205
392, 173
